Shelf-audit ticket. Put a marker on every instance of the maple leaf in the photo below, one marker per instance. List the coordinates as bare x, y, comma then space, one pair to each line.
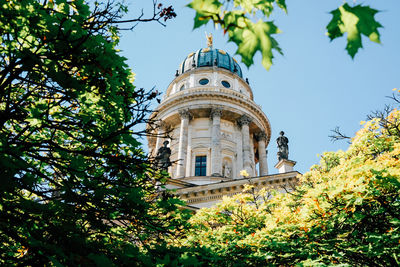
255, 37
355, 21
205, 10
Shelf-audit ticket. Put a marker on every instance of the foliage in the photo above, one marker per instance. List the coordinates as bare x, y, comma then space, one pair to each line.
76, 187
354, 21
248, 26
346, 211
237, 21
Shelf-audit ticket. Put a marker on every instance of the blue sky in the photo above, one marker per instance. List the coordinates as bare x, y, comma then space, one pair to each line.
314, 87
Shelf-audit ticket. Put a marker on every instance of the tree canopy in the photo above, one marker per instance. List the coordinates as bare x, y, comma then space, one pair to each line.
345, 211
77, 188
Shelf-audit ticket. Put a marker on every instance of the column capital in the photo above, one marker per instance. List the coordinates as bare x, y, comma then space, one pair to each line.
260, 136
244, 120
185, 114
215, 111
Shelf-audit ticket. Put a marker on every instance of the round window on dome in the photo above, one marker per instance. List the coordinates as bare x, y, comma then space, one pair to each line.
204, 81
226, 84
182, 88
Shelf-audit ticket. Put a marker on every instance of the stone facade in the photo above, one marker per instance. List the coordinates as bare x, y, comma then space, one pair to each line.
215, 128
212, 121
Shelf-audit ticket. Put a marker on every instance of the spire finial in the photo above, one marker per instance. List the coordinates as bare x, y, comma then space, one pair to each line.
209, 38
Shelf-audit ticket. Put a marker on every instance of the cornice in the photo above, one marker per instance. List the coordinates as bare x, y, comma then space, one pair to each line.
203, 93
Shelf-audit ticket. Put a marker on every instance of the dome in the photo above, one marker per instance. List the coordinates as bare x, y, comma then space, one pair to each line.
208, 57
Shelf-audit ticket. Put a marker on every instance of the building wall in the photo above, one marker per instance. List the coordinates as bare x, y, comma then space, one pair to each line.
199, 144
186, 93
208, 110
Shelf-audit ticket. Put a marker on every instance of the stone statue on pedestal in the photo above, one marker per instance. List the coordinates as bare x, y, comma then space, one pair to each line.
283, 147
162, 158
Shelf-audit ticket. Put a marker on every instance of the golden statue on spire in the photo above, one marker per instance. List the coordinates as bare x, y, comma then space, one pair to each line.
209, 38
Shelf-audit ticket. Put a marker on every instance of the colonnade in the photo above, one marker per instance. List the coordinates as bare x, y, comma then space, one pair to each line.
216, 155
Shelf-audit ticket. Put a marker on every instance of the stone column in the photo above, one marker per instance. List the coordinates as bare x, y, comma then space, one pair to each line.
244, 122
261, 137
160, 136
252, 157
183, 140
209, 161
216, 161
189, 153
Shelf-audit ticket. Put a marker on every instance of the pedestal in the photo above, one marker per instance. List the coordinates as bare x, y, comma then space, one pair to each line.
285, 165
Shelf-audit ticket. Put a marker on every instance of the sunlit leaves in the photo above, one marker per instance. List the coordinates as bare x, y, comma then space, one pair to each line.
355, 21
255, 37
238, 22
344, 212
237, 18
205, 10
77, 187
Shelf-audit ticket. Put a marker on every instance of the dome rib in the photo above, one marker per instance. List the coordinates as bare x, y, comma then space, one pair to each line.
207, 57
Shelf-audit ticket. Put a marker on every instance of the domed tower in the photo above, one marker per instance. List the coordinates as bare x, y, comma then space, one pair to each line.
216, 128
215, 131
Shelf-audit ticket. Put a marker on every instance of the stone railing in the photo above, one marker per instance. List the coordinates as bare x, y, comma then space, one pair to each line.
215, 191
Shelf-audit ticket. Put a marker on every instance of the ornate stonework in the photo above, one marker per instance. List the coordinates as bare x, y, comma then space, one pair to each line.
244, 120
185, 114
215, 111
260, 136
214, 120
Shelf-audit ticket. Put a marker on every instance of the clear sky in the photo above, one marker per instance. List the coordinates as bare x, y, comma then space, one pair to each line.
314, 87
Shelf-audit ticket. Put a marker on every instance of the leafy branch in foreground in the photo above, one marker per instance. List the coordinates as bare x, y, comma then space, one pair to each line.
247, 25
236, 18
355, 21
77, 188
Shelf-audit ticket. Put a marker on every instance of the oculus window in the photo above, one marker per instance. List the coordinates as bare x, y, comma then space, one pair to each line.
226, 84
204, 81
201, 166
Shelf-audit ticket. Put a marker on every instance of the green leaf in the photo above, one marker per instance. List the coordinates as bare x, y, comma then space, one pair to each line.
282, 4
237, 21
355, 21
255, 37
100, 260
205, 10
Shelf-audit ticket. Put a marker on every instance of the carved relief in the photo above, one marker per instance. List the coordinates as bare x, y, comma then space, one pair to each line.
226, 136
227, 124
